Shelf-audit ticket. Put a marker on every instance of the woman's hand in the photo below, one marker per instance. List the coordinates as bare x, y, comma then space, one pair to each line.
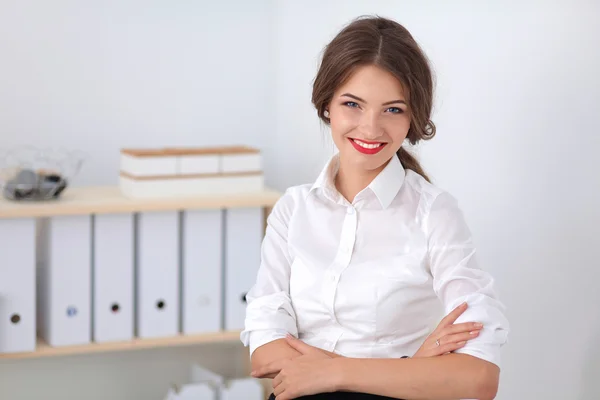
307, 352
310, 373
448, 337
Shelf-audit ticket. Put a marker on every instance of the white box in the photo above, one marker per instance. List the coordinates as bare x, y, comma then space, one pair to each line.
193, 391
199, 164
64, 298
17, 285
201, 271
243, 240
190, 187
205, 384
242, 162
149, 165
157, 253
242, 389
113, 277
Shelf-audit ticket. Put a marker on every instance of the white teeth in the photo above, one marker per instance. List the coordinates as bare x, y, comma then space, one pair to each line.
367, 145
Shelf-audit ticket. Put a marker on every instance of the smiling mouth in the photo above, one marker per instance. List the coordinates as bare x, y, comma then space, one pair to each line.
367, 147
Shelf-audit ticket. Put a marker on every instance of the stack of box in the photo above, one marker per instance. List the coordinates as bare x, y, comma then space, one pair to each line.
147, 173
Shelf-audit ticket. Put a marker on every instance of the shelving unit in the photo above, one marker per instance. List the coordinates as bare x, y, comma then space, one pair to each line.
110, 200
44, 350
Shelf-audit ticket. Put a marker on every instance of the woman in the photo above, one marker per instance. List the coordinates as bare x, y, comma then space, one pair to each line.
358, 268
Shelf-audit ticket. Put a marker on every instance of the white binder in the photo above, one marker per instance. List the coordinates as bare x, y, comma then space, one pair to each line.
64, 298
201, 281
113, 269
17, 285
157, 253
243, 239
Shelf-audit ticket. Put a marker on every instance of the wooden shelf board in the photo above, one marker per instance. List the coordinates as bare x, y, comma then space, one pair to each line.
44, 350
109, 199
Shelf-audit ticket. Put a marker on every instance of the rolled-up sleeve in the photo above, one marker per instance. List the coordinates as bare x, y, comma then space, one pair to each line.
457, 278
269, 312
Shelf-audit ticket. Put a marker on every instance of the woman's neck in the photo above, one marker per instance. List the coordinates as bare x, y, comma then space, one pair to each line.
349, 180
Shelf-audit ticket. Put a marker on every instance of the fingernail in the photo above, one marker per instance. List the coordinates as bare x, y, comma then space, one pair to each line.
464, 304
461, 343
478, 325
474, 333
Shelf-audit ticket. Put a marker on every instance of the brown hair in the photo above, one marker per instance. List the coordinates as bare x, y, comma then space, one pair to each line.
387, 44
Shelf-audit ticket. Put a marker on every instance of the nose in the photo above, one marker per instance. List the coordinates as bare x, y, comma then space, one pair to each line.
370, 125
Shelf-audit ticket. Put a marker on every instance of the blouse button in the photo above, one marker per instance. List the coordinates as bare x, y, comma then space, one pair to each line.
350, 210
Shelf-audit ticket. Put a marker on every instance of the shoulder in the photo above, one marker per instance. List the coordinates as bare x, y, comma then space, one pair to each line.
428, 192
299, 192
436, 204
290, 199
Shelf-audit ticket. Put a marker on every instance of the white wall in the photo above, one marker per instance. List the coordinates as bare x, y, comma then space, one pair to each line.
517, 99
97, 76
517, 103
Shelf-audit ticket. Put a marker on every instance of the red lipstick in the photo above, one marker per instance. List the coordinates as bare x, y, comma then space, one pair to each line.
365, 150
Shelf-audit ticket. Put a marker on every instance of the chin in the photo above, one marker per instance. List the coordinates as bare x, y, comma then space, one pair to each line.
369, 162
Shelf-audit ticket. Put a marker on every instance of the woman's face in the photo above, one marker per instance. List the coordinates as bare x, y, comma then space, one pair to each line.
369, 118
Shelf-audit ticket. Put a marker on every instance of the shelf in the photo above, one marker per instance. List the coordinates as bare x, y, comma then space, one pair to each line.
100, 199
44, 350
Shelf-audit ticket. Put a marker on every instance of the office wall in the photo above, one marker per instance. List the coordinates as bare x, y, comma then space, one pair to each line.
97, 76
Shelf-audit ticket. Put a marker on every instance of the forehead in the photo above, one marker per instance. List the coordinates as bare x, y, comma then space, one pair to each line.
372, 83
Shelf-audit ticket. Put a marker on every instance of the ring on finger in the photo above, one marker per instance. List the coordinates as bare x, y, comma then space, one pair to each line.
437, 342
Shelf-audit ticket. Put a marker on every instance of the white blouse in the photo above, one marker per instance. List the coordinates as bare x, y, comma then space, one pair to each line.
371, 278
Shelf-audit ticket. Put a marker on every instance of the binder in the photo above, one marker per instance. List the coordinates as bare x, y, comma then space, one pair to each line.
243, 240
113, 279
201, 281
17, 285
64, 298
157, 256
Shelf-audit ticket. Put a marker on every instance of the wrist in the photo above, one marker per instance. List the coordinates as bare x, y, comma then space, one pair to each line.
339, 373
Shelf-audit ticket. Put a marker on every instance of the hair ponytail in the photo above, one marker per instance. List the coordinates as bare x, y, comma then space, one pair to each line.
409, 161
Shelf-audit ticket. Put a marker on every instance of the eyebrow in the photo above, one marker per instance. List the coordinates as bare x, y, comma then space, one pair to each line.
384, 104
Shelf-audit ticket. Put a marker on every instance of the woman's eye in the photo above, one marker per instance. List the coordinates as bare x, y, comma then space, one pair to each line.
351, 104
395, 110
